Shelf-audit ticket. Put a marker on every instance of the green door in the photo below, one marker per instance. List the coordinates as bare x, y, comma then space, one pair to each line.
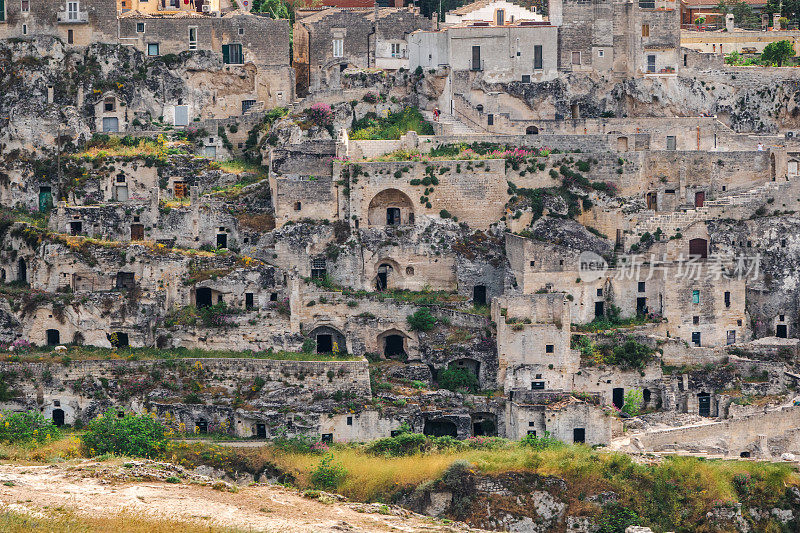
45, 194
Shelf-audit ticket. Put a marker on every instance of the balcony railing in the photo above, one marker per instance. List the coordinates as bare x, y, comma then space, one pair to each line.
73, 17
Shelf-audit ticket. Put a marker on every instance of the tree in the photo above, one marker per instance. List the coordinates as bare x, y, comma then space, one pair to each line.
634, 399
743, 15
777, 52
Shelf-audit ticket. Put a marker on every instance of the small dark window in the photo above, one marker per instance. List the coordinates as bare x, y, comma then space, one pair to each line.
537, 57
246, 105
70, 37
349, 420
537, 385
298, 206
599, 292
490, 119
548, 348
727, 299
327, 437
319, 268
526, 78
579, 435
140, 27
641, 286
695, 320
248, 300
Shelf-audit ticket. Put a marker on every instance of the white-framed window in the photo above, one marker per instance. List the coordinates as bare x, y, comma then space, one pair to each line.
140, 27
396, 52
192, 37
338, 48
72, 10
152, 49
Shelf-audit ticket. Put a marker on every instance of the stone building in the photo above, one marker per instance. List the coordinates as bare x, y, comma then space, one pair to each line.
496, 12
329, 41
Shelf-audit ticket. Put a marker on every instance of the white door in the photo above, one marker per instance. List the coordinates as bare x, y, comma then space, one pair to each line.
210, 152
792, 168
122, 194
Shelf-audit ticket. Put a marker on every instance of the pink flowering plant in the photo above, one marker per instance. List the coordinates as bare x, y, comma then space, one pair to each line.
320, 114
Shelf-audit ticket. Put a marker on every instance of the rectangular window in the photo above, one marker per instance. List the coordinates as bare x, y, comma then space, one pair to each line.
319, 268
72, 11
140, 27
248, 300
695, 320
727, 299
396, 50
152, 49
232, 54
24, 29
576, 58
2, 10
731, 337
246, 105
338, 48
548, 348
645, 30
641, 286
192, 38
671, 142
526, 78
695, 297
696, 338
537, 385
26, 6
490, 119
601, 53
651, 63
501, 17
537, 57
70, 35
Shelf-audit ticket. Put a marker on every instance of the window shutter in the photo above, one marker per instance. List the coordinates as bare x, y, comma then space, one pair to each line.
2, 10
226, 58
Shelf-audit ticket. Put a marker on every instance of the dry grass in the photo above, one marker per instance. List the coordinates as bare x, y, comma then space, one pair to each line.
65, 448
65, 522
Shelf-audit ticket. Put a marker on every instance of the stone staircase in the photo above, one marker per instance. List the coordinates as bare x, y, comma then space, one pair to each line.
447, 124
674, 221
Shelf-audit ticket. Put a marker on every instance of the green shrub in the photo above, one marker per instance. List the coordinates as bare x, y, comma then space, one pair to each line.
541, 443
402, 444
458, 379
26, 428
615, 518
133, 435
421, 320
327, 474
634, 399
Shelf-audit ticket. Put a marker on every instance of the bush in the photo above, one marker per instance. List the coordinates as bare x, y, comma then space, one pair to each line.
133, 435
403, 444
541, 443
327, 474
421, 320
633, 402
320, 114
26, 428
454, 379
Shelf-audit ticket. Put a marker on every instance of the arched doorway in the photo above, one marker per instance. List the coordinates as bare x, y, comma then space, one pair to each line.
484, 425
326, 338
382, 279
393, 344
531, 130
440, 427
58, 417
470, 365
119, 339
22, 271
390, 207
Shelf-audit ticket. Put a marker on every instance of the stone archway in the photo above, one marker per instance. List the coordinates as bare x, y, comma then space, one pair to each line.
327, 338
390, 207
531, 130
440, 427
393, 344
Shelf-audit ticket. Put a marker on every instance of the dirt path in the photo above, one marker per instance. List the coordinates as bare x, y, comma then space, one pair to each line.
84, 490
